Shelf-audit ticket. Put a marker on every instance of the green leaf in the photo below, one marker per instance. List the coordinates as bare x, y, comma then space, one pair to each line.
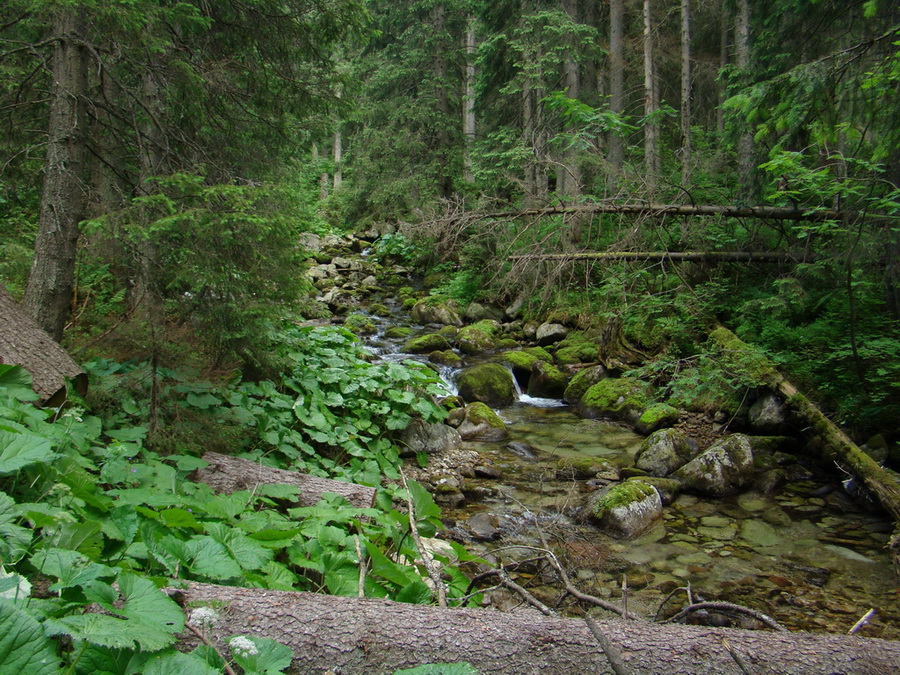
110, 631
20, 450
271, 657
17, 382
23, 646
14, 539
177, 663
70, 567
250, 554
384, 567
95, 660
211, 559
416, 593
146, 603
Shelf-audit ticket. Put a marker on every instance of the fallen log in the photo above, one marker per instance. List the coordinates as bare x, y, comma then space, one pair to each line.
365, 635
836, 445
677, 256
24, 343
228, 474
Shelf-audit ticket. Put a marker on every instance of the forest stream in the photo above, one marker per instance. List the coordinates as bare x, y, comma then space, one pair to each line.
807, 553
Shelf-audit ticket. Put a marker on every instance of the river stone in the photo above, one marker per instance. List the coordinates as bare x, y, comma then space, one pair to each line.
768, 414
663, 451
619, 398
657, 416
668, 488
421, 436
759, 533
482, 424
721, 469
477, 312
550, 333
521, 362
489, 383
447, 357
752, 501
626, 510
477, 338
582, 381
718, 533
484, 526
426, 311
546, 381
424, 344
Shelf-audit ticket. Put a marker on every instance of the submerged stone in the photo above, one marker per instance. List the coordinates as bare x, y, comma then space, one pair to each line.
759, 533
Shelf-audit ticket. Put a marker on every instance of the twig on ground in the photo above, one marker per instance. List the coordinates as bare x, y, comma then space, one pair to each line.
728, 607
613, 655
862, 622
745, 669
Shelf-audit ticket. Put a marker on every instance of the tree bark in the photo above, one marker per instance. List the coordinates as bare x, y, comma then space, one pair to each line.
651, 102
230, 474
569, 181
469, 101
371, 636
24, 343
439, 23
51, 282
745, 151
616, 81
686, 117
337, 152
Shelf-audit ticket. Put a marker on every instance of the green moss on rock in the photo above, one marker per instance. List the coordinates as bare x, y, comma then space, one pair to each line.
489, 383
445, 358
581, 382
546, 381
657, 416
398, 332
425, 344
619, 398
359, 324
473, 340
585, 352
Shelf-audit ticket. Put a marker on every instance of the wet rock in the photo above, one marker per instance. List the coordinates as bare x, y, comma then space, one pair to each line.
446, 357
771, 481
722, 469
484, 526
485, 471
434, 438
427, 311
550, 333
477, 312
584, 352
584, 468
477, 338
657, 416
398, 332
480, 423
424, 344
523, 450
768, 414
489, 383
618, 398
582, 381
663, 452
759, 533
668, 488
626, 510
546, 381
877, 448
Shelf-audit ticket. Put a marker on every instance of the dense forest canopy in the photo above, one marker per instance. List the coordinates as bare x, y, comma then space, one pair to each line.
648, 170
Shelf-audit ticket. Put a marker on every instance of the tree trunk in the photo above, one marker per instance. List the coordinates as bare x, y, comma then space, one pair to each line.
675, 256
469, 101
745, 152
230, 474
616, 80
371, 636
51, 282
651, 102
337, 152
569, 182
24, 343
323, 176
445, 180
723, 63
686, 145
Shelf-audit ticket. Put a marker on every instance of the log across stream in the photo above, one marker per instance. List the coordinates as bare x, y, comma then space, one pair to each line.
806, 554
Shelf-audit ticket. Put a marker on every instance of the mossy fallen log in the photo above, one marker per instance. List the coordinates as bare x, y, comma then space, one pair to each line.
229, 474
835, 444
365, 635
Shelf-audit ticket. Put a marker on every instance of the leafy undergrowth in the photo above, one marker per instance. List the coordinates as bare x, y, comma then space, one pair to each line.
93, 523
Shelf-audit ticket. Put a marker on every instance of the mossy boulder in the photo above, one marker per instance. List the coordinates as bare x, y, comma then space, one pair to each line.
429, 311
447, 357
626, 510
550, 333
489, 383
720, 470
585, 468
546, 381
478, 338
359, 324
521, 362
477, 312
398, 332
582, 381
664, 451
379, 310
668, 488
657, 416
585, 352
482, 424
507, 343
619, 398
425, 344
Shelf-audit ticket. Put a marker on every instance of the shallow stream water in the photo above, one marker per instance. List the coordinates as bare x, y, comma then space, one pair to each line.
807, 555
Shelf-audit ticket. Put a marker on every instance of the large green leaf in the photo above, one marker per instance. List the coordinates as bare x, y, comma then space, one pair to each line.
17, 382
96, 660
24, 649
70, 567
250, 554
271, 658
145, 603
211, 559
177, 663
20, 450
14, 539
111, 631
416, 593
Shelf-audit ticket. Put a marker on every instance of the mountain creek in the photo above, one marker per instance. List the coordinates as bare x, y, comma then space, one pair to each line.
801, 549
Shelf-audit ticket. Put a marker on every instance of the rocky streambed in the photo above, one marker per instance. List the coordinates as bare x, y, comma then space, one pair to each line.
547, 445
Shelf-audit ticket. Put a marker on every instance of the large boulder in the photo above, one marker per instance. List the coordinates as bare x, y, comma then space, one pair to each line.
546, 381
425, 344
478, 312
768, 415
657, 416
427, 311
721, 469
582, 381
480, 423
550, 333
478, 338
626, 510
421, 436
664, 451
616, 397
489, 383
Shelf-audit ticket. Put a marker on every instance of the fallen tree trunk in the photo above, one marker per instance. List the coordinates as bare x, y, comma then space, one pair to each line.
836, 445
680, 256
363, 635
230, 474
24, 343
650, 209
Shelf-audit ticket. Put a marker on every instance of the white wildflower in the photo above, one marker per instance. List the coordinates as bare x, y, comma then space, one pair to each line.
204, 617
242, 646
